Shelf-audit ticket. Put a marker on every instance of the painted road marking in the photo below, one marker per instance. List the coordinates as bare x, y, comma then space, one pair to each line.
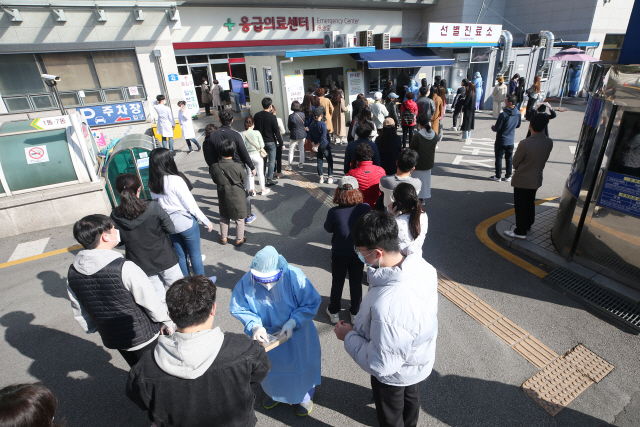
44, 255
572, 149
28, 249
479, 147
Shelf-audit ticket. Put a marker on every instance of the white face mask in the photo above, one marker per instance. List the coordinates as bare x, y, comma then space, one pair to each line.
117, 236
269, 285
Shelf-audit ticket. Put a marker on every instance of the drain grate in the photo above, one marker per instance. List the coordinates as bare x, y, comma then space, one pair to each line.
594, 296
614, 263
564, 379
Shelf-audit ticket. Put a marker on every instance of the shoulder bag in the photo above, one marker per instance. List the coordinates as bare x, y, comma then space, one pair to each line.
262, 151
246, 193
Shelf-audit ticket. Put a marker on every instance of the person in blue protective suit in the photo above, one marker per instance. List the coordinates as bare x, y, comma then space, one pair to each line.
477, 80
274, 298
574, 80
413, 87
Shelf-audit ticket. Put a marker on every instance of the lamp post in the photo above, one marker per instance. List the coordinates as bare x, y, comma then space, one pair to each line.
52, 82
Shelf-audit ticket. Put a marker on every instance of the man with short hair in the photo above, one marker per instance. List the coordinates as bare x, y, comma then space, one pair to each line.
211, 151
266, 123
166, 122
394, 336
111, 295
425, 104
199, 376
406, 164
392, 108
378, 110
529, 161
364, 130
505, 128
367, 174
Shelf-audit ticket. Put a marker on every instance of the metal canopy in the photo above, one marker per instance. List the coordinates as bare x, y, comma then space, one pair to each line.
402, 58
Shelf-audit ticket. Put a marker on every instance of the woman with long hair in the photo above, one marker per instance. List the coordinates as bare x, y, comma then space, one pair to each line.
338, 117
534, 95
411, 218
389, 146
308, 106
442, 94
29, 405
424, 142
519, 92
144, 229
435, 119
328, 109
172, 192
297, 134
469, 112
340, 220
254, 142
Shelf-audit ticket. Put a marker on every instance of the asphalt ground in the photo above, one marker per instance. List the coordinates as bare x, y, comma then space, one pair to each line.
476, 377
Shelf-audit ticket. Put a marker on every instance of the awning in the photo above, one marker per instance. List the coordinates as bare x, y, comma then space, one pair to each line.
402, 58
313, 52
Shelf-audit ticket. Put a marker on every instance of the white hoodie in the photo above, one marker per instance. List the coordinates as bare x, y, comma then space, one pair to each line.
135, 280
394, 337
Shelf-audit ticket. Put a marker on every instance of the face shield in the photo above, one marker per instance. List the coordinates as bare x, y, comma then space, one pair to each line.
267, 270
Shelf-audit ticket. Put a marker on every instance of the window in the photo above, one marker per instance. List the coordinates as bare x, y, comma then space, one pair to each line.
611, 47
86, 78
268, 81
254, 78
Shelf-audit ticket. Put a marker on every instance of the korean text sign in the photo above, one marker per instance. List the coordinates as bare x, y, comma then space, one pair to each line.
111, 114
189, 94
295, 89
447, 33
622, 193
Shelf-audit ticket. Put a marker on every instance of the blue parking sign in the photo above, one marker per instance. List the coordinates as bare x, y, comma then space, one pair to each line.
173, 77
112, 114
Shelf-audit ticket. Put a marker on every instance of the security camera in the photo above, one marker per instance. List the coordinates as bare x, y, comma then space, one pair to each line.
50, 77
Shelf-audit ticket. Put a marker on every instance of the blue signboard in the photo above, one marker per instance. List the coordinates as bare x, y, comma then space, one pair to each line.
622, 193
113, 114
173, 77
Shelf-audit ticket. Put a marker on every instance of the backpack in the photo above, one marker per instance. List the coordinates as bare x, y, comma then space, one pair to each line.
408, 117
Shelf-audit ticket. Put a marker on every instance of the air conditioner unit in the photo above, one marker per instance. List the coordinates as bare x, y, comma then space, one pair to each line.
382, 41
364, 38
330, 39
344, 40
533, 39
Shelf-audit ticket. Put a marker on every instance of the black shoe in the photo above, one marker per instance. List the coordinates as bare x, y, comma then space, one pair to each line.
190, 151
199, 148
173, 153
209, 114
271, 182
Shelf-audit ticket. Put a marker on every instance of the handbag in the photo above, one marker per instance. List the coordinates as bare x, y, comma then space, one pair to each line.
246, 193
262, 151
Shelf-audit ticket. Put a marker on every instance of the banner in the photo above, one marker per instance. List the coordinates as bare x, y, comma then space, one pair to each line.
355, 81
189, 94
295, 89
446, 34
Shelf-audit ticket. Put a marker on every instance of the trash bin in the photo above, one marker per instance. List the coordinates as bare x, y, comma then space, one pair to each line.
177, 132
129, 155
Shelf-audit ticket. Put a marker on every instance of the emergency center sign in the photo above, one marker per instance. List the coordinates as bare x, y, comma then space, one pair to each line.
447, 34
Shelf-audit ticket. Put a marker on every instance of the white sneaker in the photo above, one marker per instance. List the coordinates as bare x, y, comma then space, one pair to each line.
299, 165
330, 180
335, 318
508, 179
288, 168
494, 178
321, 180
512, 234
265, 191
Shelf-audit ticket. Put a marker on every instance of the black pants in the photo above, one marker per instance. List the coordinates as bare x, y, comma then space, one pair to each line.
407, 130
525, 207
396, 406
207, 108
340, 264
279, 148
132, 357
456, 112
505, 151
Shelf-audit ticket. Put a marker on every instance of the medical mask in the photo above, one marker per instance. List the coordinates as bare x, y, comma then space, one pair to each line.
366, 263
269, 285
117, 236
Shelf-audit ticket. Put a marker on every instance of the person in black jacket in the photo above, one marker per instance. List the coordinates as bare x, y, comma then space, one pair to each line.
144, 230
389, 145
297, 134
392, 108
519, 93
267, 124
198, 376
211, 151
357, 106
458, 103
542, 109
468, 112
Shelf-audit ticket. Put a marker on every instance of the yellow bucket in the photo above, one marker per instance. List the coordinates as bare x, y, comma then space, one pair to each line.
177, 131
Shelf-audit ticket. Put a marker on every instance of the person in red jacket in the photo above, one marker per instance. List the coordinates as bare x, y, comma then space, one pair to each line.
367, 174
408, 113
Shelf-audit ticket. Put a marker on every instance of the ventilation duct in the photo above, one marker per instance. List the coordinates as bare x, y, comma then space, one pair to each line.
506, 43
549, 40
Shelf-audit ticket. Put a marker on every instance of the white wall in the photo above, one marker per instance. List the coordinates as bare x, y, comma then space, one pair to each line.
610, 18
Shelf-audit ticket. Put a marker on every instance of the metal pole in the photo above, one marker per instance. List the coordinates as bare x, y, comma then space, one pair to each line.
164, 83
58, 100
562, 85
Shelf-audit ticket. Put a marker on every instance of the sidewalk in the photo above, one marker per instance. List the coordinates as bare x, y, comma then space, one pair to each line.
539, 246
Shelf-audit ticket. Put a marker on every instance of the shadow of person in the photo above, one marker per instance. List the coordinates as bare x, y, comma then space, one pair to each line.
489, 403
347, 399
54, 284
89, 388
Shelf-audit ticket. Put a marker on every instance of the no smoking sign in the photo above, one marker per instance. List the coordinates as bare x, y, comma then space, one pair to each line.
36, 154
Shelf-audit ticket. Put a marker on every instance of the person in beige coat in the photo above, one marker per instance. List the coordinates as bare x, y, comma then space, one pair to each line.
328, 108
338, 118
205, 96
216, 91
529, 161
499, 94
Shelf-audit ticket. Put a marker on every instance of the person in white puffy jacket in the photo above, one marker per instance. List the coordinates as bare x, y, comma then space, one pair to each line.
394, 336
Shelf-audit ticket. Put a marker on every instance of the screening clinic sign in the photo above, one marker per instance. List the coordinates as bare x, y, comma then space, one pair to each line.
295, 89
216, 26
355, 81
189, 94
447, 34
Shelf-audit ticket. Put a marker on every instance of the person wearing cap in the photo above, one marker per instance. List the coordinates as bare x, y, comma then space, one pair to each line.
276, 299
340, 220
392, 108
389, 145
378, 110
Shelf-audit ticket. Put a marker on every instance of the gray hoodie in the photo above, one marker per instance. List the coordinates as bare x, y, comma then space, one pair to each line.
188, 356
90, 261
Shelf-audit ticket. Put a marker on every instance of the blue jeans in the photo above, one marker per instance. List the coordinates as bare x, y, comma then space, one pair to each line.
188, 243
466, 134
270, 160
325, 151
189, 141
170, 138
